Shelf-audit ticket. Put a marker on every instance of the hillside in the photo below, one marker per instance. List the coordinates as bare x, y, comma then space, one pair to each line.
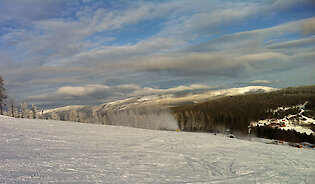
42, 151
226, 111
237, 113
142, 111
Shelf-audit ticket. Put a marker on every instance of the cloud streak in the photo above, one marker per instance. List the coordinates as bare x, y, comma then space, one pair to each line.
96, 93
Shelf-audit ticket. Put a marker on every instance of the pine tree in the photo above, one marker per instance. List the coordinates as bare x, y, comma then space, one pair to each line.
9, 113
16, 113
34, 112
24, 110
3, 95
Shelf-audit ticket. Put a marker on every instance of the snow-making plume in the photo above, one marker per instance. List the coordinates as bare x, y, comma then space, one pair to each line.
148, 119
163, 121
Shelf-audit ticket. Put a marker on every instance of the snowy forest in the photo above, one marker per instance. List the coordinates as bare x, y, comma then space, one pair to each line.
237, 112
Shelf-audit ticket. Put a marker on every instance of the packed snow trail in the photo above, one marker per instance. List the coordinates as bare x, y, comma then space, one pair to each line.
42, 151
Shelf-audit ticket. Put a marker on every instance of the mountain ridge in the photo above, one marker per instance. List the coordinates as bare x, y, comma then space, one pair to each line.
166, 100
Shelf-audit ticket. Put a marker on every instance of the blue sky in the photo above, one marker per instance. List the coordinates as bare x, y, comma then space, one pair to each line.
59, 52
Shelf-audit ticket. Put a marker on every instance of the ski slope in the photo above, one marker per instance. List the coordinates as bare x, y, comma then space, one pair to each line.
42, 151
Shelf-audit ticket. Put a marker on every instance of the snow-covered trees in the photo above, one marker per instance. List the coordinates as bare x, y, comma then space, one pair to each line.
24, 110
3, 95
73, 115
34, 112
54, 116
9, 113
144, 118
16, 113
11, 107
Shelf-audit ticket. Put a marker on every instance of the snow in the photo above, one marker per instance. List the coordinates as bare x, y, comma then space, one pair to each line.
42, 151
171, 101
298, 129
288, 123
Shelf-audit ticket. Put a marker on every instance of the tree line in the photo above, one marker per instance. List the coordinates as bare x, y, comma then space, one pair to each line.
280, 134
24, 112
12, 110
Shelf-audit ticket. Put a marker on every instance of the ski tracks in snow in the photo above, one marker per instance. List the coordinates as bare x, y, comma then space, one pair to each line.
36, 151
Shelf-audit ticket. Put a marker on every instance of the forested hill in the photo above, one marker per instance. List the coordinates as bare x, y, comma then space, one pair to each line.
216, 111
236, 112
130, 111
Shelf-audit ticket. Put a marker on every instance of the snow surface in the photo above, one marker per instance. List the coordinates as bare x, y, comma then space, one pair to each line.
289, 124
42, 151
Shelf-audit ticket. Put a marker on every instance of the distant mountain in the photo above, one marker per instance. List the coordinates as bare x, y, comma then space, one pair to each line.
232, 110
150, 112
162, 101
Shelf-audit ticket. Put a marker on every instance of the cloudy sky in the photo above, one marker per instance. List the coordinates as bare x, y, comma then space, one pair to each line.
58, 52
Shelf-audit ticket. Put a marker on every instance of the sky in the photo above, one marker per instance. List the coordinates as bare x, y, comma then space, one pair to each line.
69, 52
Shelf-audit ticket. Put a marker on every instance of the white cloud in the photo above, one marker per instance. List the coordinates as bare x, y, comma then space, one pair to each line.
127, 90
111, 54
260, 82
304, 42
150, 91
97, 93
82, 90
214, 15
308, 27
229, 63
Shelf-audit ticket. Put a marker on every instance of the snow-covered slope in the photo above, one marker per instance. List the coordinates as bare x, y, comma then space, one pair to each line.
171, 100
42, 151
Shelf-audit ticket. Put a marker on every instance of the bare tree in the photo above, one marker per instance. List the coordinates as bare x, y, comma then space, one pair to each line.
3, 95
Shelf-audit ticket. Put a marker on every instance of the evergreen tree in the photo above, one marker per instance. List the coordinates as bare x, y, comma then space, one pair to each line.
24, 110
9, 113
16, 113
34, 112
3, 95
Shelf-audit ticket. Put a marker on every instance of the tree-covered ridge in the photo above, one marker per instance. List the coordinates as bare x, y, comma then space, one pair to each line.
236, 112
